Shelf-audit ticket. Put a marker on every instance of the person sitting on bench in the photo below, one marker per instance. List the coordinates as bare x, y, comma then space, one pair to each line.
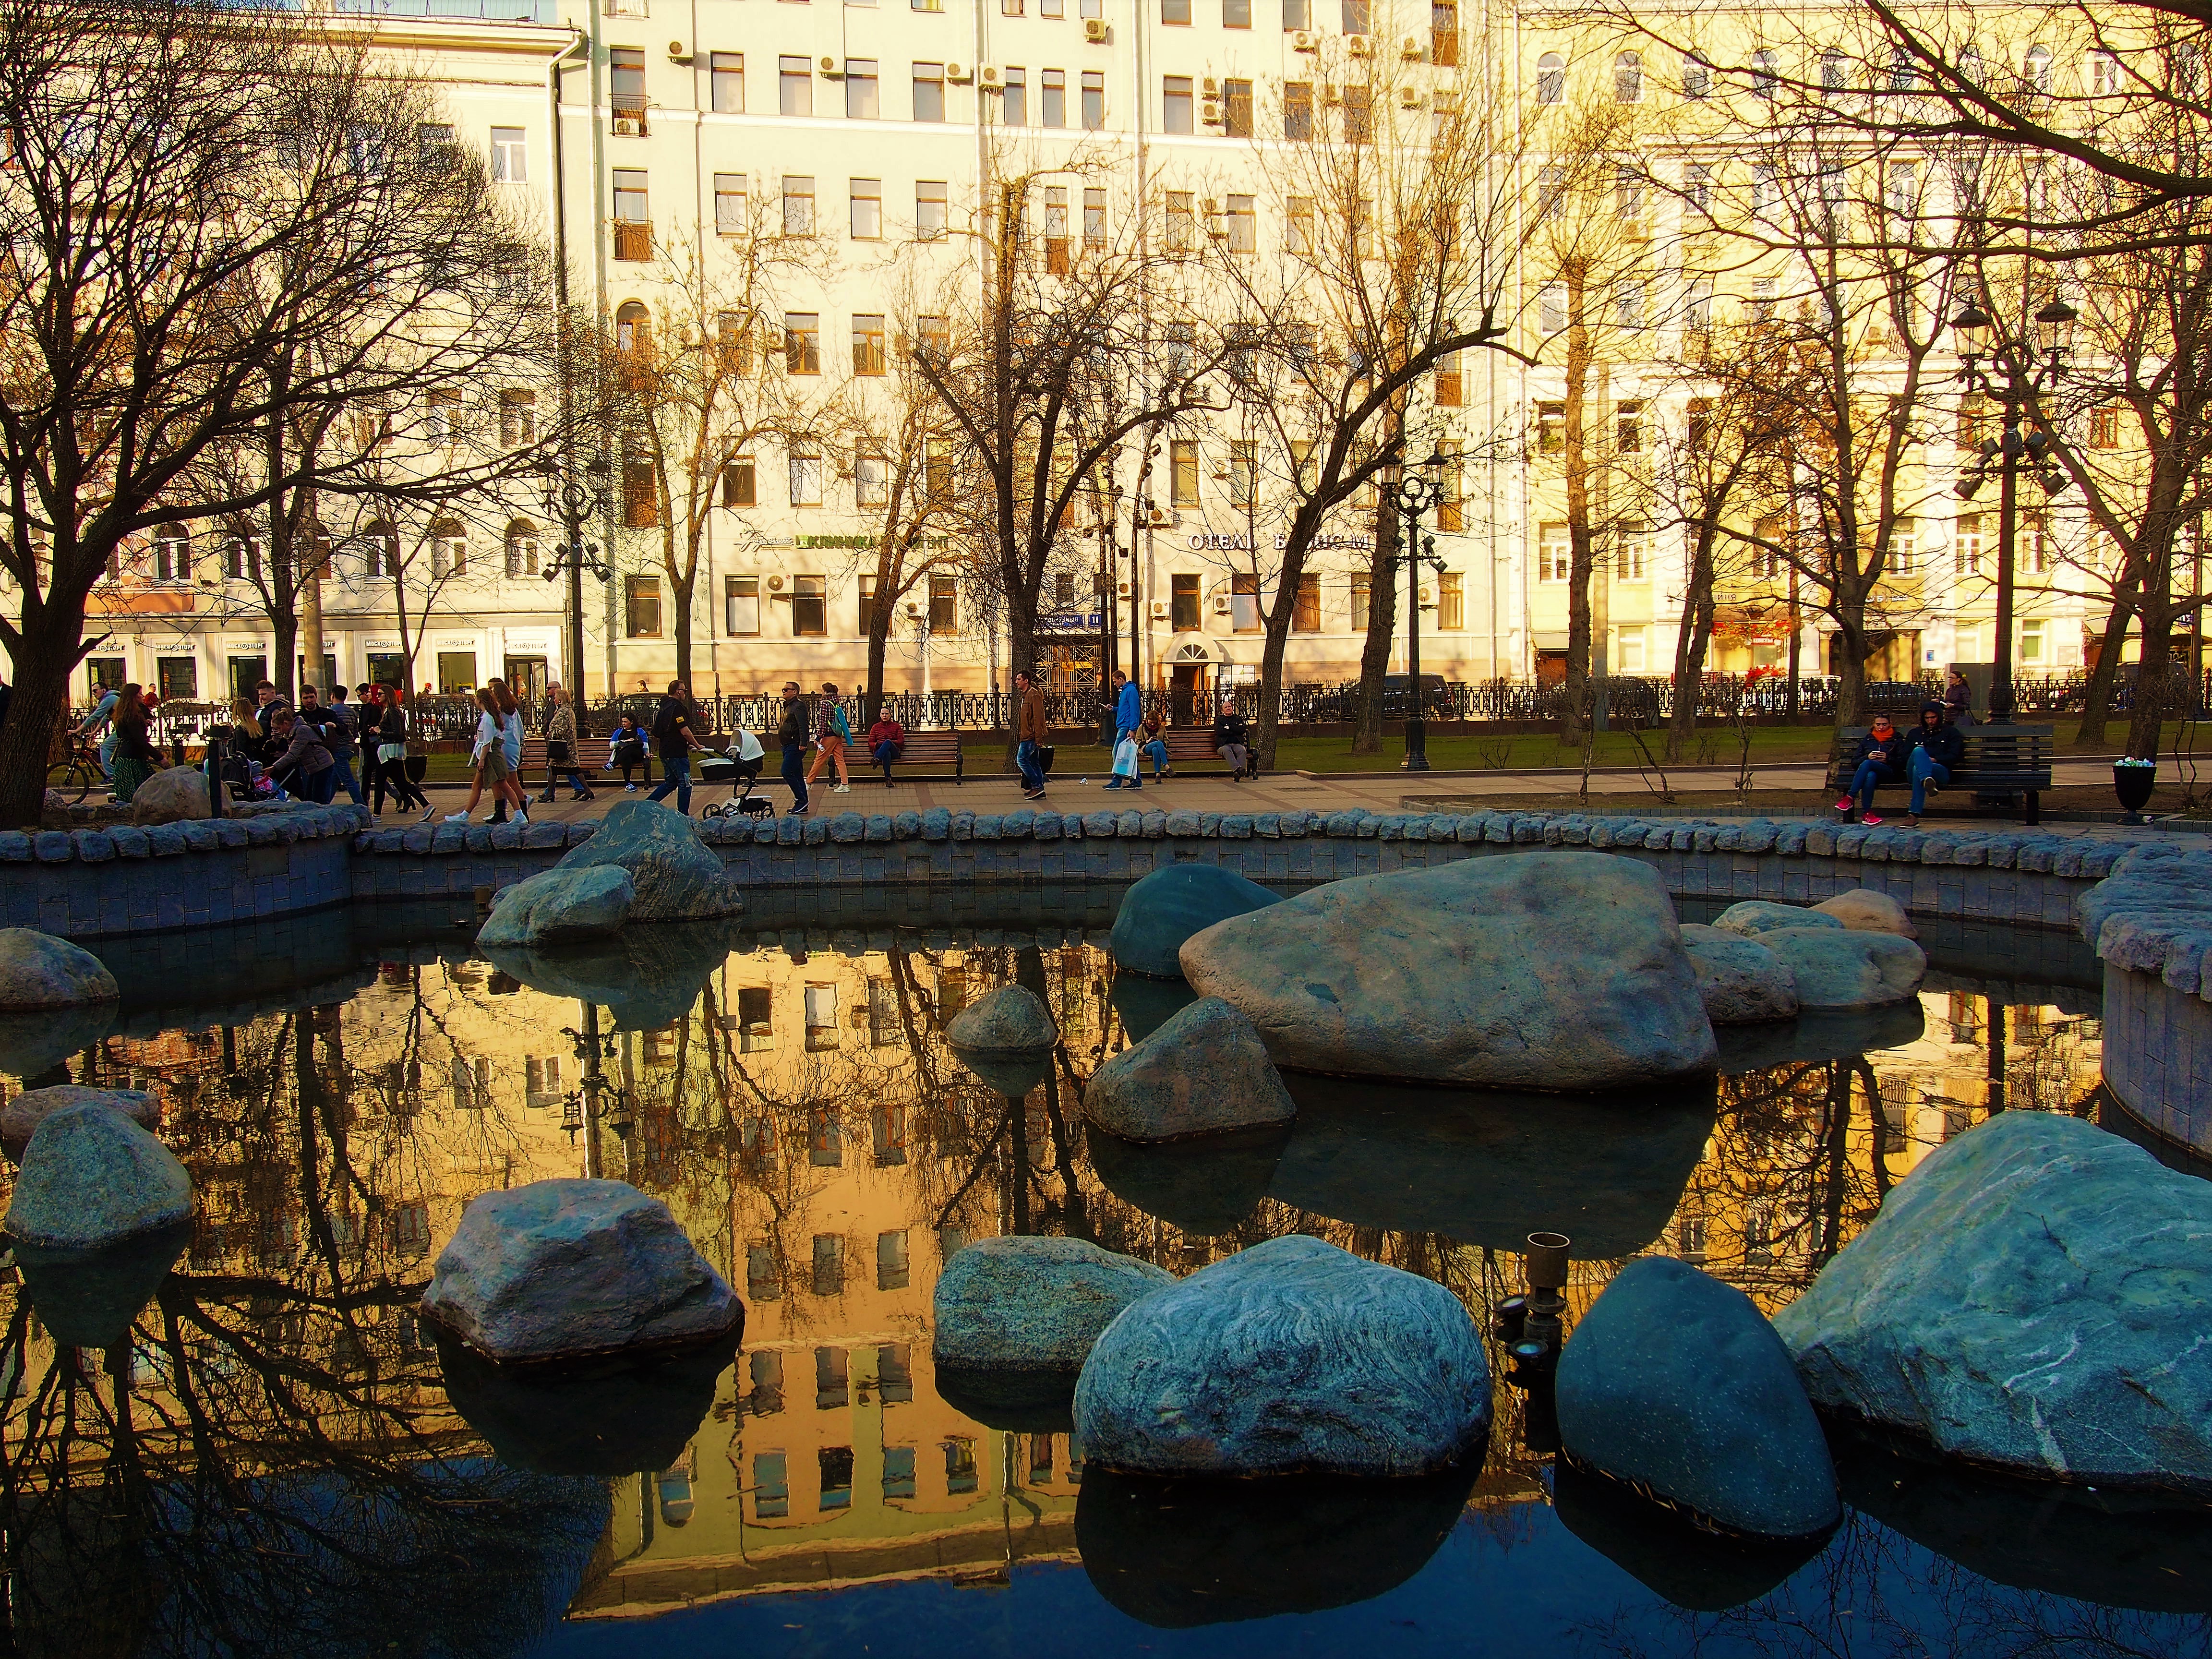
1934, 747
886, 743
1879, 761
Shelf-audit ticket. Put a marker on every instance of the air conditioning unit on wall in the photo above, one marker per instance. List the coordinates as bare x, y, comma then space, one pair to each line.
830, 67
1411, 49
955, 72
1358, 45
1096, 31
990, 77
1306, 40
679, 52
1159, 610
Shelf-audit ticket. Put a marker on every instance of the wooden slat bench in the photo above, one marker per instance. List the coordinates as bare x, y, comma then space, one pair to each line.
933, 754
1999, 760
590, 756
1190, 748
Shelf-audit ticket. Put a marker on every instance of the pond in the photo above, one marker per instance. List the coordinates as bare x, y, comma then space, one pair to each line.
272, 1462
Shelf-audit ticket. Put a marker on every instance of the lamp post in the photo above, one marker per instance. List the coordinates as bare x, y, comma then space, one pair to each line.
1421, 488
572, 501
1110, 613
2035, 369
582, 1108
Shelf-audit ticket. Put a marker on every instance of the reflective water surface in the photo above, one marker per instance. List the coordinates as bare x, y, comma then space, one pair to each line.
242, 1441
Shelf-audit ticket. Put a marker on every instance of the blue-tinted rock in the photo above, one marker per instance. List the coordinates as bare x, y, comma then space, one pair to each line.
2032, 1298
560, 905
39, 971
559, 1269
907, 826
1835, 968
545, 836
1755, 916
168, 840
1675, 1382
878, 827
1203, 1071
676, 876
847, 828
645, 978
53, 847
132, 844
14, 847
1165, 908
1741, 980
21, 1118
1688, 1564
1033, 1304
92, 1178
1011, 1019
1292, 1357
1547, 970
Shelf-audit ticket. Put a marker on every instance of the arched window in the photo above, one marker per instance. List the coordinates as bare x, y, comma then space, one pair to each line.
1764, 65
1696, 78
173, 553
1628, 78
1970, 70
449, 549
2036, 69
1834, 73
1903, 72
380, 551
518, 418
521, 548
1551, 78
633, 327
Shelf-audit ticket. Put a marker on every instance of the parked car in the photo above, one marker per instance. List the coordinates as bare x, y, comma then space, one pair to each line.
1439, 701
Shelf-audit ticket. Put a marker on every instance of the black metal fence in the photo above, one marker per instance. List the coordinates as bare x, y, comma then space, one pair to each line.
1642, 701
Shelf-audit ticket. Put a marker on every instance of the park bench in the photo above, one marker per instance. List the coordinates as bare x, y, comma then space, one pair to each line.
2001, 760
590, 756
1190, 748
934, 755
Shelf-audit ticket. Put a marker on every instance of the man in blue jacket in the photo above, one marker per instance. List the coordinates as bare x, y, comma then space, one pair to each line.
1937, 747
1128, 716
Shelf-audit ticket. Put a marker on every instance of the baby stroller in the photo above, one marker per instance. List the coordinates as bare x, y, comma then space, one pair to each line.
740, 775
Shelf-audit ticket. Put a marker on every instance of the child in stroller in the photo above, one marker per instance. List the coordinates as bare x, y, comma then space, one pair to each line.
740, 767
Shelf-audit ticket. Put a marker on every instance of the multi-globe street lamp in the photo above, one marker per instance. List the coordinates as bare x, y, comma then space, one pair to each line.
1421, 488
573, 500
2036, 369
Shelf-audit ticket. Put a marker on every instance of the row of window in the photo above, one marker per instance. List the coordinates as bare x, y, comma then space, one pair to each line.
1628, 553
1830, 71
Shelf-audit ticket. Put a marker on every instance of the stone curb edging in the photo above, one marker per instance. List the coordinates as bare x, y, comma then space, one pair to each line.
282, 827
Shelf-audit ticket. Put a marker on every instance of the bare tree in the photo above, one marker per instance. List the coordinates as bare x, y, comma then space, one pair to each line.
225, 227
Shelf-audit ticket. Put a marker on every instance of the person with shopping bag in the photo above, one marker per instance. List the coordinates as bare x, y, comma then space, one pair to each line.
1128, 714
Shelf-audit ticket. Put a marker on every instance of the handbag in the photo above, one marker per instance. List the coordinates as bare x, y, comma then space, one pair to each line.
1044, 756
1125, 758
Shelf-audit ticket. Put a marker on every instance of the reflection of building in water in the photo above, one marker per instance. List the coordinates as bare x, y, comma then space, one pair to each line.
805, 1120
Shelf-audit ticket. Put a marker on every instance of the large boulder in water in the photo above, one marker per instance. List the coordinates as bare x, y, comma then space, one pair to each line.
1674, 1383
173, 795
1027, 1304
1741, 980
1167, 907
1203, 1071
39, 971
32, 1045
564, 1269
2032, 1297
1835, 968
1751, 917
20, 1119
1292, 1357
92, 1178
1550, 970
1012, 1019
678, 877
557, 907
1862, 910
1666, 1550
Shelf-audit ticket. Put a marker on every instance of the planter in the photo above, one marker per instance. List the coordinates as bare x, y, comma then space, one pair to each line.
2133, 785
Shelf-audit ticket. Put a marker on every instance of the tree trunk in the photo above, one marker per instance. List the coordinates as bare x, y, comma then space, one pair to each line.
2096, 695
879, 632
1692, 640
2154, 678
44, 657
1381, 623
1851, 659
681, 587
1271, 660
1580, 535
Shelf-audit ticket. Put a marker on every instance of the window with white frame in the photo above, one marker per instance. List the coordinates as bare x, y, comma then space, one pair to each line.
510, 155
1634, 563
1555, 554
742, 618
805, 478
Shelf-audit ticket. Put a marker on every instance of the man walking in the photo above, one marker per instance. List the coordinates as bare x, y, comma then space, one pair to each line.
339, 732
673, 740
1029, 736
1128, 716
790, 734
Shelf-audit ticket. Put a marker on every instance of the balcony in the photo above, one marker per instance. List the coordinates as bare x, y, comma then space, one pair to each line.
630, 112
488, 11
633, 241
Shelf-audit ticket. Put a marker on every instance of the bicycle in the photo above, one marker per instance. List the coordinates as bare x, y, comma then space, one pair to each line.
74, 775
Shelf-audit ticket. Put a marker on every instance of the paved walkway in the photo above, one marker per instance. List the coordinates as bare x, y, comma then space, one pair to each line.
1622, 791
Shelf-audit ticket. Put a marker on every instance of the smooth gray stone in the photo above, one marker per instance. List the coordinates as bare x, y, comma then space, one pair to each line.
88, 1299
39, 971
1203, 1071
1204, 1188
1292, 1357
614, 1416
1488, 1167
1167, 907
20, 1119
1751, 917
92, 1178
567, 1269
1012, 1019
1675, 1382
1862, 910
1176, 1554
559, 905
1024, 1303
1011, 1071
1834, 968
1739, 980
678, 878
1546, 970
2032, 1298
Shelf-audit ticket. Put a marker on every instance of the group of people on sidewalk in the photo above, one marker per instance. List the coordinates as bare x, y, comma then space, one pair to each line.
1921, 759
1139, 737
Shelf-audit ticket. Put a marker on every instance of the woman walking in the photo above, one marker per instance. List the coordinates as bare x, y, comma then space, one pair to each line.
135, 760
489, 758
560, 746
390, 771
831, 736
511, 743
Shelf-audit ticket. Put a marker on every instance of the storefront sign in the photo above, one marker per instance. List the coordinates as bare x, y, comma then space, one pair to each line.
1243, 542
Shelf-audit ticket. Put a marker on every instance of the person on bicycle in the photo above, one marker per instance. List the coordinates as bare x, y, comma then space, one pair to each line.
102, 719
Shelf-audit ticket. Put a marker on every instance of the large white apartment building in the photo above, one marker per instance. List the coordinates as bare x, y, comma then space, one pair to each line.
874, 124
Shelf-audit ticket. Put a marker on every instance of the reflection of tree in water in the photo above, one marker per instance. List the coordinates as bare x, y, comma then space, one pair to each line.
267, 1463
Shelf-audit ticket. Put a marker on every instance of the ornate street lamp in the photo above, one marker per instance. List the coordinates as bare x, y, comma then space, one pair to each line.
573, 501
1421, 488
2037, 368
